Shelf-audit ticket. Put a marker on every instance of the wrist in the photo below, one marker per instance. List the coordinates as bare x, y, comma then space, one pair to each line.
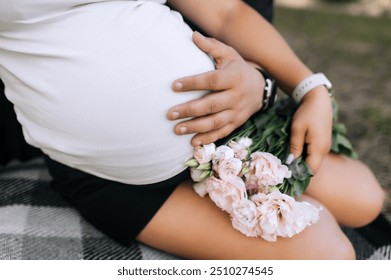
319, 91
310, 84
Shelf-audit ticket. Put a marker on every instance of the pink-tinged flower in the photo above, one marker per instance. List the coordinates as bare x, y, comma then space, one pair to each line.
268, 169
229, 168
259, 198
222, 153
226, 194
282, 216
306, 214
277, 214
203, 154
198, 175
245, 218
201, 188
240, 151
254, 185
245, 141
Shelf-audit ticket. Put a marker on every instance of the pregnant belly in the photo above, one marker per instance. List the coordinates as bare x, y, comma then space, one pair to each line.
108, 109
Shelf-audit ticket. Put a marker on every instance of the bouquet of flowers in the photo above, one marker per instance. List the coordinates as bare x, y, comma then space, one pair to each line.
246, 178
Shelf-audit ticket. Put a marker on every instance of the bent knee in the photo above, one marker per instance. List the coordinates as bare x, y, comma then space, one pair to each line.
340, 250
370, 202
331, 246
323, 240
375, 204
326, 239
367, 197
330, 243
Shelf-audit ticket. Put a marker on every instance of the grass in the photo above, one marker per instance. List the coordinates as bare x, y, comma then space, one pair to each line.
341, 35
381, 120
354, 52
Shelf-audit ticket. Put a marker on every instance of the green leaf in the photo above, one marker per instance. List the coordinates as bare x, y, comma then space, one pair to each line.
205, 174
300, 169
334, 143
340, 128
205, 166
343, 141
348, 152
335, 109
270, 132
192, 163
260, 120
271, 140
299, 187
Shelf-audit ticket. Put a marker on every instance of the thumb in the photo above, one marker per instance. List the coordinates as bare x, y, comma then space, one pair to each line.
296, 143
216, 49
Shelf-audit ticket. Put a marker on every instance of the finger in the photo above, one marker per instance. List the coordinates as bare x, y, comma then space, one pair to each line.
204, 124
214, 80
213, 47
209, 104
316, 151
314, 160
212, 136
296, 141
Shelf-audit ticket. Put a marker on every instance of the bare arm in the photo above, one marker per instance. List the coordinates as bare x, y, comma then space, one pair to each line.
255, 39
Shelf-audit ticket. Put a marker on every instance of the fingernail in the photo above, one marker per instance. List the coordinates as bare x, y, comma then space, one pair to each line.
174, 115
198, 143
182, 130
178, 85
290, 159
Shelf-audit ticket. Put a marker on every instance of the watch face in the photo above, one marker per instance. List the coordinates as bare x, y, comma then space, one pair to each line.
269, 94
268, 87
269, 91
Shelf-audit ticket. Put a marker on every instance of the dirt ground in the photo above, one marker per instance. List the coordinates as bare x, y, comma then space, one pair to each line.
355, 53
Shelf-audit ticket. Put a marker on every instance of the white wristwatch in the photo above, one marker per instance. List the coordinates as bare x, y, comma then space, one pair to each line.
308, 84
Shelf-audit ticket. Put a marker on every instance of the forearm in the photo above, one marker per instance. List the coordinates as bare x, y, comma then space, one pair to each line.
262, 44
252, 36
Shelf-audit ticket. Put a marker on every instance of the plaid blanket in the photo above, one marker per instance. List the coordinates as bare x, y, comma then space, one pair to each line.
36, 223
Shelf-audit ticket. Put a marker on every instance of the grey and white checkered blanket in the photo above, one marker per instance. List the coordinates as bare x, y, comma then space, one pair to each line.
36, 223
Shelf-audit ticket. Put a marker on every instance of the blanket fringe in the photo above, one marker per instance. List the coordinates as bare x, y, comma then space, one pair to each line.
383, 253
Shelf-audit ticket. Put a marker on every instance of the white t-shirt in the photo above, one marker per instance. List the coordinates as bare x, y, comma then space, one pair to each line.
91, 83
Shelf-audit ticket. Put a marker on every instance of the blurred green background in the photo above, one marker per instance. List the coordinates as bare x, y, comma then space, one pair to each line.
355, 53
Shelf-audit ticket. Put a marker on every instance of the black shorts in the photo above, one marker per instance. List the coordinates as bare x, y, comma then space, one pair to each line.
119, 210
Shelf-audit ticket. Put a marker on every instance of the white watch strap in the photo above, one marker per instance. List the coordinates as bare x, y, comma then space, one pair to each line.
308, 84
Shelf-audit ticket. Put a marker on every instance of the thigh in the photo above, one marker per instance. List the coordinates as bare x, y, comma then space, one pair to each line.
348, 189
193, 227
